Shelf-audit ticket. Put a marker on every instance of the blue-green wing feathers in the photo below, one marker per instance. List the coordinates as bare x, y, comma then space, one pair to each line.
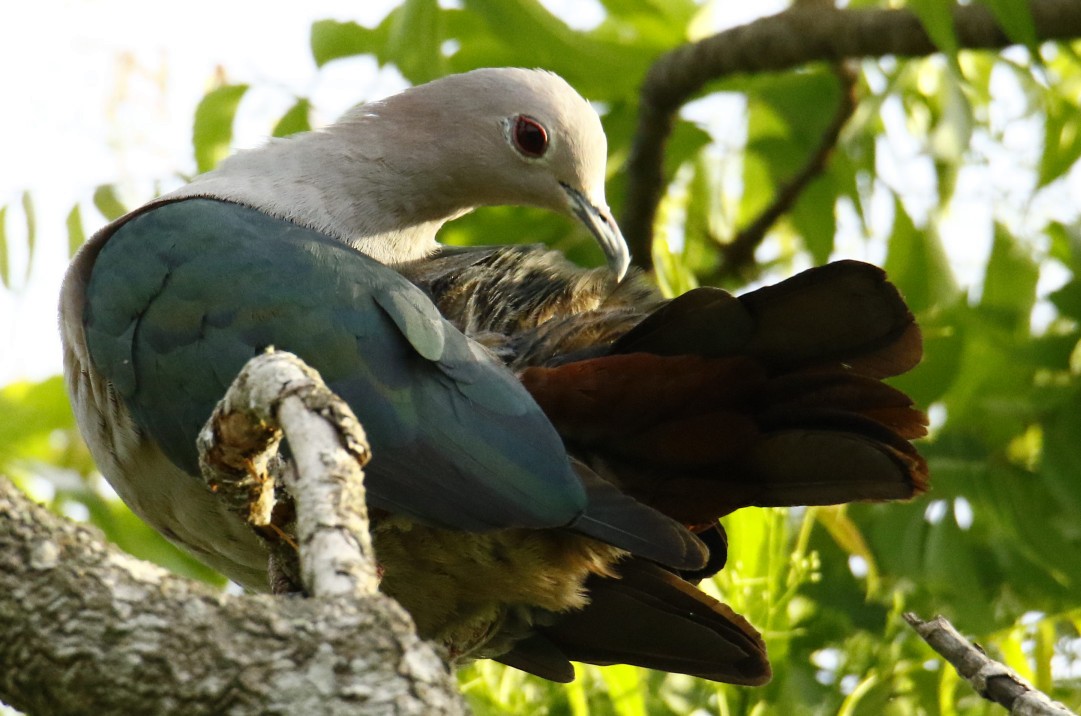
182, 296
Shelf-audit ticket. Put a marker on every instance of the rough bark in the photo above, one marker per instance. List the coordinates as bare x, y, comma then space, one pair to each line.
88, 629
804, 33
278, 392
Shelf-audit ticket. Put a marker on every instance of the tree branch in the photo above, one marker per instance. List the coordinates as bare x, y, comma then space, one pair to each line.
801, 34
992, 680
738, 253
328, 447
113, 635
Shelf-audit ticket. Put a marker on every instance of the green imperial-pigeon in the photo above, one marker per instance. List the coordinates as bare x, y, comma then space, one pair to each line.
551, 446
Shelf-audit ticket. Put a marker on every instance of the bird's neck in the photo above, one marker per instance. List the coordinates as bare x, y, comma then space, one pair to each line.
346, 189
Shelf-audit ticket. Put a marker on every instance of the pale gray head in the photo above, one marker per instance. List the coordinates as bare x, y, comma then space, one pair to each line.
500, 136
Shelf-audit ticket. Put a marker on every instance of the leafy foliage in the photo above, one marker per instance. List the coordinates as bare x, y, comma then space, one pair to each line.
996, 545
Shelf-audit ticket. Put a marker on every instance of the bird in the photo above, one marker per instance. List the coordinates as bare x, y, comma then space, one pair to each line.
698, 405
510, 519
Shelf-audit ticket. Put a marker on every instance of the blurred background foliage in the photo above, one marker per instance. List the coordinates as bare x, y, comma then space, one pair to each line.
958, 172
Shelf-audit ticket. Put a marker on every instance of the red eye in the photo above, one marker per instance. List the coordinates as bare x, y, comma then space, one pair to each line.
530, 137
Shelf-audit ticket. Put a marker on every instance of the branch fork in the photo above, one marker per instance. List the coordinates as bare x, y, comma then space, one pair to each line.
278, 396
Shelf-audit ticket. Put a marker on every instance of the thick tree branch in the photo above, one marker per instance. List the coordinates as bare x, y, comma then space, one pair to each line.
112, 635
992, 680
783, 41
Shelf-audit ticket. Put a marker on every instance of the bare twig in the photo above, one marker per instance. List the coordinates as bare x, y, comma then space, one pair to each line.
783, 41
992, 680
328, 449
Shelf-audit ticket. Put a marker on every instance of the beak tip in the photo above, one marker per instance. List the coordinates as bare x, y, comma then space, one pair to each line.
603, 228
619, 265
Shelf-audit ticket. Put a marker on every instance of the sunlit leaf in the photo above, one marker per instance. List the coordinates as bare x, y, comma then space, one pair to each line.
212, 131
952, 132
1045, 652
599, 68
1062, 138
5, 260
1009, 289
76, 233
414, 40
917, 263
699, 243
107, 203
937, 19
331, 40
848, 536
625, 688
1016, 21
31, 231
296, 119
814, 218
32, 413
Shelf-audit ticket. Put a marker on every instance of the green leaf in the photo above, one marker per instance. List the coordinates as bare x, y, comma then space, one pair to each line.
943, 355
106, 202
657, 23
793, 107
848, 536
1061, 458
414, 41
1065, 244
952, 132
296, 119
5, 265
917, 263
759, 187
32, 413
76, 234
1009, 289
1015, 17
494, 32
31, 231
787, 116
937, 19
332, 40
1067, 299
686, 141
814, 218
411, 38
700, 254
624, 685
212, 132
1062, 138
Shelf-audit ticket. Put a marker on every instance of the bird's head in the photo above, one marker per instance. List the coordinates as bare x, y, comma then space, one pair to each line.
506, 136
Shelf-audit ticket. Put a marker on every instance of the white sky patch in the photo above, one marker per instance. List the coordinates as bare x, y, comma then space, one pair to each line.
107, 96
103, 92
578, 14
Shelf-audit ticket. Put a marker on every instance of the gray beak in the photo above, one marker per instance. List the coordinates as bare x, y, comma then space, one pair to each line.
604, 228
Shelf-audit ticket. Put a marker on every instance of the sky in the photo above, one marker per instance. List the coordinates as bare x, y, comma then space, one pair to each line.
103, 91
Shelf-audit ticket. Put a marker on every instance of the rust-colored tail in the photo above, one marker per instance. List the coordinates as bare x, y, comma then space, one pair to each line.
712, 403
695, 406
